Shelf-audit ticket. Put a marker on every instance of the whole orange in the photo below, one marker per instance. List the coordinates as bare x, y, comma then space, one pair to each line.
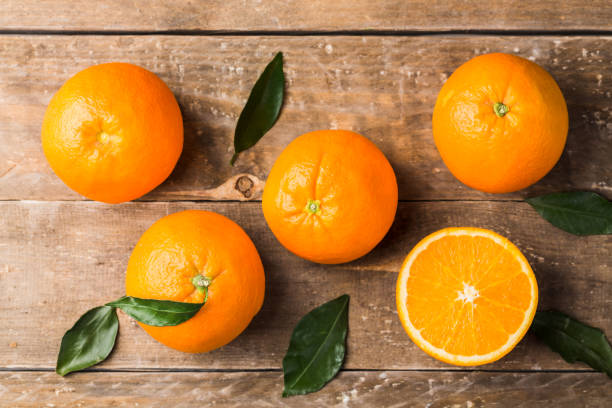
331, 196
500, 123
113, 132
176, 255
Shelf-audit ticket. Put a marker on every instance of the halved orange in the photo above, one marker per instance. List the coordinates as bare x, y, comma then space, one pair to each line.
466, 296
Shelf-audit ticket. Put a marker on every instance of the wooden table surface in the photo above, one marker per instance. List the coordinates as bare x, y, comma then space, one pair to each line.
374, 67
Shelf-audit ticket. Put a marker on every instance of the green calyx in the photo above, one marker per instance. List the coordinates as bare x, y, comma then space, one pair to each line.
313, 206
201, 282
500, 109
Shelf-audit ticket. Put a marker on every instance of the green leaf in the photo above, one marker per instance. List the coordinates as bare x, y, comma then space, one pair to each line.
574, 340
317, 348
93, 336
89, 341
578, 212
262, 108
157, 312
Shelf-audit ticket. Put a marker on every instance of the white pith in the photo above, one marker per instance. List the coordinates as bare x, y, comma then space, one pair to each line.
469, 294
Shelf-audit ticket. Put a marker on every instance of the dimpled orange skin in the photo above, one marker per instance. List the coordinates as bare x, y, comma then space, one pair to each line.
113, 132
500, 154
347, 183
183, 245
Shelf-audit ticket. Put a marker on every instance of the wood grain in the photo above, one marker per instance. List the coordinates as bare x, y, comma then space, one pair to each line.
382, 87
349, 389
294, 15
59, 259
60, 256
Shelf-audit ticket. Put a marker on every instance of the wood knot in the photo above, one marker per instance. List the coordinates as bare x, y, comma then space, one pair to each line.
245, 186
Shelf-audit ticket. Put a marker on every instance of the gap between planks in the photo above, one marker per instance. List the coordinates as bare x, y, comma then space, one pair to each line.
182, 201
278, 370
313, 33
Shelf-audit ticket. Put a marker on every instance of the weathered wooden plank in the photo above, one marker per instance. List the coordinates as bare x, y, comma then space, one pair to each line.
382, 87
58, 259
279, 15
349, 389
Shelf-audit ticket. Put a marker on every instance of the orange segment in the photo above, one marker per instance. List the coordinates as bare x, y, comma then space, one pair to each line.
466, 296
